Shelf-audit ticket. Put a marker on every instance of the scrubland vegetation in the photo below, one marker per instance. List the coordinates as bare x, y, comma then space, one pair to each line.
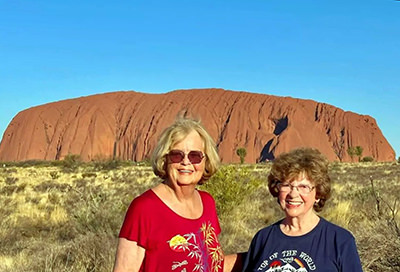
66, 216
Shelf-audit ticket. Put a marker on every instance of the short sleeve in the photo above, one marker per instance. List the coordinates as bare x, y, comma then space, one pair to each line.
251, 253
136, 225
350, 260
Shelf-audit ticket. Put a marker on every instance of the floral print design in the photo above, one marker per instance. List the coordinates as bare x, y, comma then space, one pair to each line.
203, 247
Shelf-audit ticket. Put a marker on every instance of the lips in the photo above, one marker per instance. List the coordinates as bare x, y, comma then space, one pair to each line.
185, 171
294, 203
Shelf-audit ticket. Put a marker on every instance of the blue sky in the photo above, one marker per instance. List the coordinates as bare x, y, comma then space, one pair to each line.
344, 53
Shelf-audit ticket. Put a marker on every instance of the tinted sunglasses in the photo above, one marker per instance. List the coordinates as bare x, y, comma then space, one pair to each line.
194, 156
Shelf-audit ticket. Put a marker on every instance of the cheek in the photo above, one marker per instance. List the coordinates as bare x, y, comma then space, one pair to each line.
200, 167
282, 195
281, 198
171, 167
312, 196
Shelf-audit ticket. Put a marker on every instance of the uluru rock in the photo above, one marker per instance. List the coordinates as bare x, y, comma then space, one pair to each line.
126, 125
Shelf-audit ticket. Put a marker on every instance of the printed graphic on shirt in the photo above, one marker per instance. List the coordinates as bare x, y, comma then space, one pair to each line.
203, 248
178, 243
213, 247
288, 261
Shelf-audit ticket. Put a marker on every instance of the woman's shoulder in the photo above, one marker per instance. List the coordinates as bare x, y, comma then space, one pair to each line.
204, 193
336, 230
267, 234
206, 196
138, 209
145, 198
268, 229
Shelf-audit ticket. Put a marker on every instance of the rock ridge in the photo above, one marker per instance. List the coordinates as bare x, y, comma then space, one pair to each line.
126, 125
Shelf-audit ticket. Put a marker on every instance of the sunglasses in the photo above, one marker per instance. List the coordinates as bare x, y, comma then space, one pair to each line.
194, 156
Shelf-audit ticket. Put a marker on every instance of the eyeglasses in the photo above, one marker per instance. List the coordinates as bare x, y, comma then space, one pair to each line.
194, 156
301, 188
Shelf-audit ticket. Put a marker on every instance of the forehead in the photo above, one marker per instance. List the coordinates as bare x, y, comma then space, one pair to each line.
190, 141
301, 178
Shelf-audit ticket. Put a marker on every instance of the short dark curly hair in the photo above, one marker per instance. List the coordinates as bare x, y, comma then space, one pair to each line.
308, 161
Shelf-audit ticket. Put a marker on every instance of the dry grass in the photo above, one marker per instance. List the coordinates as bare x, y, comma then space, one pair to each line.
55, 218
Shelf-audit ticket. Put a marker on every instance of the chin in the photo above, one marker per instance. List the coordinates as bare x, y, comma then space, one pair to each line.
187, 182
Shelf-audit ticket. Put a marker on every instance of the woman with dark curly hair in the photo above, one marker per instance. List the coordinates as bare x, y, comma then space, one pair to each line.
302, 241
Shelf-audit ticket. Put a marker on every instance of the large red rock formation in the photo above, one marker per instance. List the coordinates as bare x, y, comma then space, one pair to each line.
126, 125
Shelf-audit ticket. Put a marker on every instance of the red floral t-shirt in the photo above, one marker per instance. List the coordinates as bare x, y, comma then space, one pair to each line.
172, 242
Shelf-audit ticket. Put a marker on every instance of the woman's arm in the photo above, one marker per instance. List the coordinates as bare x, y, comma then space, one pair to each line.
234, 262
129, 256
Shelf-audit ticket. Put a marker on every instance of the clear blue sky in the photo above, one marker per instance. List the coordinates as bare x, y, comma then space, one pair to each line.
344, 53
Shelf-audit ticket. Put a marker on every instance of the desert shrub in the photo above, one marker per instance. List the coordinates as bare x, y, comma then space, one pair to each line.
144, 162
94, 209
11, 180
243, 205
85, 253
335, 167
56, 163
89, 175
54, 174
367, 159
8, 170
48, 185
100, 164
12, 189
375, 224
378, 244
71, 162
230, 186
30, 163
54, 198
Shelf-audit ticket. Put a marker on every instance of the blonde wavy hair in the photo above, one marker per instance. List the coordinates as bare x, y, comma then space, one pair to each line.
176, 133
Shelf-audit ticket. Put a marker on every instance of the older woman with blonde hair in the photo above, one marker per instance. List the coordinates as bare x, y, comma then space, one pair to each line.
174, 226
302, 241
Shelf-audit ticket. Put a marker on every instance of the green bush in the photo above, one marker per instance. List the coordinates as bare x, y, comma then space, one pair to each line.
105, 164
25, 164
231, 186
71, 162
54, 174
367, 159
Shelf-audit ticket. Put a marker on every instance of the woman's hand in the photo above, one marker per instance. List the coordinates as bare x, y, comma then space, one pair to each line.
129, 256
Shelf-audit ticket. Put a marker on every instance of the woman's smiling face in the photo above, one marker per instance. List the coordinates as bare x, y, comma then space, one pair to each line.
184, 172
296, 204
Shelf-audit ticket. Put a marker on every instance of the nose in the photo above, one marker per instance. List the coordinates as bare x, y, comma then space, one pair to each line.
185, 160
292, 189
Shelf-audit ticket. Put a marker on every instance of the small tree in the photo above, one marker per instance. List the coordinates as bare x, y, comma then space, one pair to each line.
241, 152
351, 151
358, 150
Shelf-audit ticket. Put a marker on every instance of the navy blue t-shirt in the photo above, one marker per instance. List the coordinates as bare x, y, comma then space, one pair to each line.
326, 248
